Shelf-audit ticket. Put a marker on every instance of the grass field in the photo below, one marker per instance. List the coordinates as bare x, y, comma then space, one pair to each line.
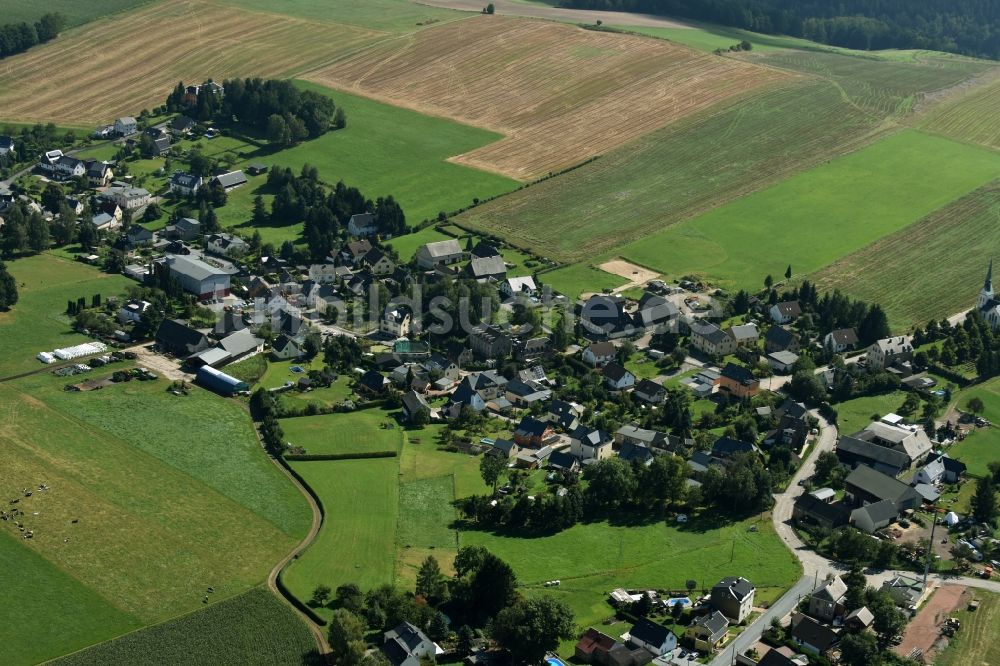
929, 270
855, 415
388, 15
424, 527
37, 322
983, 446
357, 541
142, 507
356, 432
559, 93
32, 588
975, 644
195, 40
812, 219
76, 12
973, 116
408, 245
252, 628
574, 279
383, 150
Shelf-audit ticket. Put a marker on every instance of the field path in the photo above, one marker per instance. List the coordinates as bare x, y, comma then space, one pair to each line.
272, 577
559, 13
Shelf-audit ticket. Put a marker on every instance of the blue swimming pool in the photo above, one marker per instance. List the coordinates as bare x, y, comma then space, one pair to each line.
554, 661
296, 368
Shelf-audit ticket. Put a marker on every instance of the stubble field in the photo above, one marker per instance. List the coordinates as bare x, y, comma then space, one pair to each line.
125, 63
559, 94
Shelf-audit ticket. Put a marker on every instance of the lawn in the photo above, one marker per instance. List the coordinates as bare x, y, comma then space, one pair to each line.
37, 322
982, 446
357, 541
279, 372
355, 432
813, 219
855, 415
32, 588
575, 279
384, 150
408, 245
386, 15
142, 506
252, 628
327, 396
424, 528
975, 644
928, 270
75, 12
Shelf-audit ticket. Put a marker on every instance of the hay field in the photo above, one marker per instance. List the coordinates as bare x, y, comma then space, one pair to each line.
123, 64
931, 269
974, 116
559, 94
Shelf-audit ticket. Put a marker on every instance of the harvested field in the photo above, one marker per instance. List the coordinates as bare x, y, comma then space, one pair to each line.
559, 93
974, 116
545, 11
929, 270
194, 41
636, 275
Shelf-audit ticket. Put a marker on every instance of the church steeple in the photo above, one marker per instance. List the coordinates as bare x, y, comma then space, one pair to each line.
986, 295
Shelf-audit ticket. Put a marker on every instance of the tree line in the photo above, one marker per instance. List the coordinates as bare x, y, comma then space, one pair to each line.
19, 37
971, 27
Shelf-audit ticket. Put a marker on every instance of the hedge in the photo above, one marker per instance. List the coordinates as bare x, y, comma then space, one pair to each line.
307, 457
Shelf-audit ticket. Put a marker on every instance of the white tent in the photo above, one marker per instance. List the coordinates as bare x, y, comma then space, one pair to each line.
951, 519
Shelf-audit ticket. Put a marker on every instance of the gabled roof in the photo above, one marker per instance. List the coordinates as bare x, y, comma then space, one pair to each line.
709, 332
484, 249
788, 308
240, 342
775, 658
649, 632
862, 615
715, 623
615, 372
231, 179
832, 590
531, 427
176, 334
744, 332
374, 380
737, 587
818, 509
601, 349
649, 387
413, 402
590, 436
629, 452
443, 248
738, 374
780, 337
950, 464
727, 446
808, 630
480, 267
844, 336
283, 342
879, 485
873, 452
562, 460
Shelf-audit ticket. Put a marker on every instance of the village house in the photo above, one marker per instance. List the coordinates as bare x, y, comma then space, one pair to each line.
599, 354
884, 353
616, 377
395, 321
655, 638
707, 632
710, 339
413, 405
650, 392
185, 229
826, 602
504, 448
378, 262
490, 342
521, 394
778, 339
811, 510
406, 645
531, 432
126, 126
738, 381
905, 590
655, 314
594, 647
518, 286
954, 470
733, 597
852, 451
441, 253
138, 235
873, 517
605, 316
104, 222
530, 349
7, 144
131, 312
482, 269
226, 245
185, 184
782, 362
590, 443
812, 636
373, 382
99, 174
840, 340
362, 225
285, 347
859, 620
784, 313
911, 440
126, 196
565, 415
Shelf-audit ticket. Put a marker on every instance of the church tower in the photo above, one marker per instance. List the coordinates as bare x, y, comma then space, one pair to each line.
986, 295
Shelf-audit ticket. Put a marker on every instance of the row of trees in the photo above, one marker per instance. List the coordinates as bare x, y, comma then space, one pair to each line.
971, 28
19, 37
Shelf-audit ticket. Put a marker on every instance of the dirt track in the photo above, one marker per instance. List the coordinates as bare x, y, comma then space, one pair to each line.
559, 13
924, 630
636, 275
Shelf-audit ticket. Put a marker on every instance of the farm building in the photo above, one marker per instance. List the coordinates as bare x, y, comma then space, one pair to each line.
219, 382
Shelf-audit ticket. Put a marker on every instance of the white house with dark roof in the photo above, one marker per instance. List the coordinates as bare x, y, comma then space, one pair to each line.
406, 645
783, 313
126, 126
361, 225
841, 340
518, 286
651, 636
185, 184
591, 443
599, 354
883, 353
126, 196
708, 631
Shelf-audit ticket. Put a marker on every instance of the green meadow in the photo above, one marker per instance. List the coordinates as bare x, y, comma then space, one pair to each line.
355, 432
384, 150
37, 322
981, 447
814, 218
32, 588
76, 12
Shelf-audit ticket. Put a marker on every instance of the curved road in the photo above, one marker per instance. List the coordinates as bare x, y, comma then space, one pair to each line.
815, 567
